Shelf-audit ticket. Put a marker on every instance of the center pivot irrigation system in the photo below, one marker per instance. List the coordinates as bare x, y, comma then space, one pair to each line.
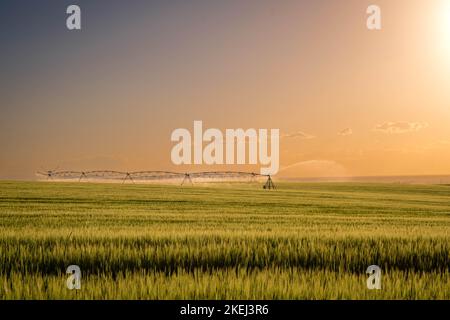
142, 176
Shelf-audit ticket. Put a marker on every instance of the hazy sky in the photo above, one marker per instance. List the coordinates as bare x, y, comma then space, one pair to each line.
348, 101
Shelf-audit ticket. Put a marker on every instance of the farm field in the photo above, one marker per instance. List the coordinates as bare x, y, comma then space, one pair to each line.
233, 241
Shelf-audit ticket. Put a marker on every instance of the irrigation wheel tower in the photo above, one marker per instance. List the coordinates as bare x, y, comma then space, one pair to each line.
269, 183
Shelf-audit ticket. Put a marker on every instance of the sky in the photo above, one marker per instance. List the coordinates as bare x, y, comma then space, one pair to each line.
348, 101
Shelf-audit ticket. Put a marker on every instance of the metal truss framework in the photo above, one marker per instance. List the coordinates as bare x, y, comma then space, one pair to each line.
142, 176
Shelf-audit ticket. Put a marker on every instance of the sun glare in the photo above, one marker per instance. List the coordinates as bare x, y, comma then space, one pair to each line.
442, 31
445, 21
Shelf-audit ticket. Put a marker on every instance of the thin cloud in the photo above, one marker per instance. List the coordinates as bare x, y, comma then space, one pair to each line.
346, 132
400, 127
298, 134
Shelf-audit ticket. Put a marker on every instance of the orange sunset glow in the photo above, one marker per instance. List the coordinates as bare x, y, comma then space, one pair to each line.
348, 101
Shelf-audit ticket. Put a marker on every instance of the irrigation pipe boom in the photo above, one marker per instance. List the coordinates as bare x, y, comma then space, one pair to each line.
152, 176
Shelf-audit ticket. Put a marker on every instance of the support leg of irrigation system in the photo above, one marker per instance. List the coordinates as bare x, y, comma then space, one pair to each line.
81, 176
269, 183
188, 177
128, 176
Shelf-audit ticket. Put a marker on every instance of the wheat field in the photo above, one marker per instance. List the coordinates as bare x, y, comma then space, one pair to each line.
224, 241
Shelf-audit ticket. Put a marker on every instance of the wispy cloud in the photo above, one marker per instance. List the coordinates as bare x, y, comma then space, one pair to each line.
298, 134
346, 132
400, 127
